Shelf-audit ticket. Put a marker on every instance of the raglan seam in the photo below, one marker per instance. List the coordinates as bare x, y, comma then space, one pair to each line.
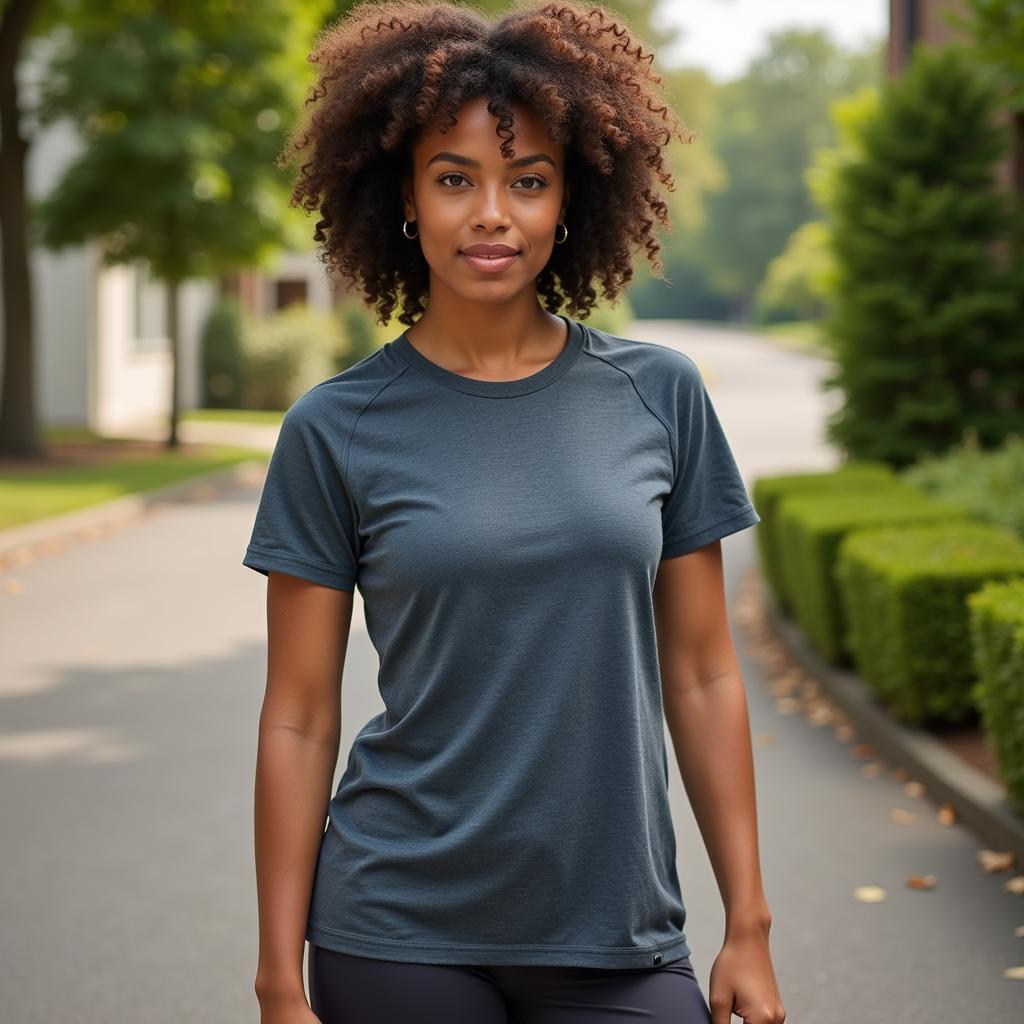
366, 405
673, 451
349, 490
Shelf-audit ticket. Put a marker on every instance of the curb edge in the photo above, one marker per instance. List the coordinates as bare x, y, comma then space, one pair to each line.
980, 803
127, 507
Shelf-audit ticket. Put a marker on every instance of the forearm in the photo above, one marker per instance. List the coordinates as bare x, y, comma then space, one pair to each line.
294, 775
710, 729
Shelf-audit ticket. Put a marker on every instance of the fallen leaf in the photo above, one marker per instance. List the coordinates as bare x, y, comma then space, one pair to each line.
902, 817
821, 715
872, 769
913, 789
1019, 931
946, 815
921, 882
1015, 885
869, 893
844, 733
785, 685
863, 750
996, 860
898, 774
810, 688
1016, 973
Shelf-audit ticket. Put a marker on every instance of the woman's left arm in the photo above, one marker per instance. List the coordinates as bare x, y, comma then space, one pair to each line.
706, 710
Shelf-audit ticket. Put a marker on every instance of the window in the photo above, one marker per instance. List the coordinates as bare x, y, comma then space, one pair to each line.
288, 291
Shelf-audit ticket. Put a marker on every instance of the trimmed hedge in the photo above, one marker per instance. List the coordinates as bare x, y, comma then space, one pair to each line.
811, 527
903, 594
768, 491
996, 624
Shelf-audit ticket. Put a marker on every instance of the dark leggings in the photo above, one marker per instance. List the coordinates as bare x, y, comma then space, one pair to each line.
348, 989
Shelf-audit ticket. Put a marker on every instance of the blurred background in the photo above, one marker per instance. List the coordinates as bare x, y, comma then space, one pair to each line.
846, 266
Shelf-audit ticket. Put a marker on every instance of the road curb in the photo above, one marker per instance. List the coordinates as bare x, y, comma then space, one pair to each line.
979, 802
35, 537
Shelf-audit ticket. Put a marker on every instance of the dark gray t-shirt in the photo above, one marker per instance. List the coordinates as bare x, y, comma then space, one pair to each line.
510, 805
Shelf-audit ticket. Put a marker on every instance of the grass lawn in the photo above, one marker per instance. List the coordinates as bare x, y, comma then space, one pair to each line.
83, 469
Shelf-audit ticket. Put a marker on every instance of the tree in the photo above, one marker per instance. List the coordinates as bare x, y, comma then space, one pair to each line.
923, 320
997, 28
799, 282
768, 125
796, 284
180, 109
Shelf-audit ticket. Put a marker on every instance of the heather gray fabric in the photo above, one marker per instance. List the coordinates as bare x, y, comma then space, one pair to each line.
510, 805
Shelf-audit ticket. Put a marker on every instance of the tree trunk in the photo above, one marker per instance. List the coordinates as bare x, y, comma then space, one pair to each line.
19, 430
174, 330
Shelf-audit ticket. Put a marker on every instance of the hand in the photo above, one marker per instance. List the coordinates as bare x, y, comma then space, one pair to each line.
286, 1009
743, 982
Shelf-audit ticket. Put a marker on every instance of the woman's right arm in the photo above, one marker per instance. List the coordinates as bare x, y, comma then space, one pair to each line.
299, 735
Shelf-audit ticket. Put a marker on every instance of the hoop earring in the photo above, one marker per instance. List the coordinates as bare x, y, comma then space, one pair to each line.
406, 233
559, 241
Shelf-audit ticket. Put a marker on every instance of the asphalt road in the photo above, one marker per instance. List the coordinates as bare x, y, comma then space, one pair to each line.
132, 676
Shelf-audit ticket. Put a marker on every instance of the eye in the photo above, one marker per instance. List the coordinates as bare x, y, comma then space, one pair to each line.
451, 174
542, 184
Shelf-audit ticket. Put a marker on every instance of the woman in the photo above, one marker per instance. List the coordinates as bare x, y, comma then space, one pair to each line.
532, 510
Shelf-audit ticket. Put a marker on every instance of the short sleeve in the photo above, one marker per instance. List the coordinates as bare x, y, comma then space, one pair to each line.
305, 521
708, 499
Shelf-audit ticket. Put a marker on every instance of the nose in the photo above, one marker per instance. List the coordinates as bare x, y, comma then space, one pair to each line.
492, 209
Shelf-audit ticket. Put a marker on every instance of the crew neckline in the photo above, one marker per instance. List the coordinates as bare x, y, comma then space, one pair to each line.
496, 388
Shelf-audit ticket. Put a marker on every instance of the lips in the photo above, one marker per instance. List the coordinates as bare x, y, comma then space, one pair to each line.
487, 263
494, 249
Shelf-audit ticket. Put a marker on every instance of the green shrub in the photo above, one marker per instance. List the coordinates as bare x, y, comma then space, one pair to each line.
617, 319
360, 332
811, 528
988, 483
221, 358
996, 623
769, 490
924, 311
904, 595
288, 352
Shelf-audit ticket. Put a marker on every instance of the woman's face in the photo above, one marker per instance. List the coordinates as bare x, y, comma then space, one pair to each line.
464, 193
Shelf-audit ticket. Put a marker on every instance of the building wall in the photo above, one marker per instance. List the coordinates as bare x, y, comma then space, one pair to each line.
926, 21
63, 299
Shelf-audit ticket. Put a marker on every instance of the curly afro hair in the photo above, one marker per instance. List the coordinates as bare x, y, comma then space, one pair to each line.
391, 67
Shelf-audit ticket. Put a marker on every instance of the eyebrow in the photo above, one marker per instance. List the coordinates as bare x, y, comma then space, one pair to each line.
455, 158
